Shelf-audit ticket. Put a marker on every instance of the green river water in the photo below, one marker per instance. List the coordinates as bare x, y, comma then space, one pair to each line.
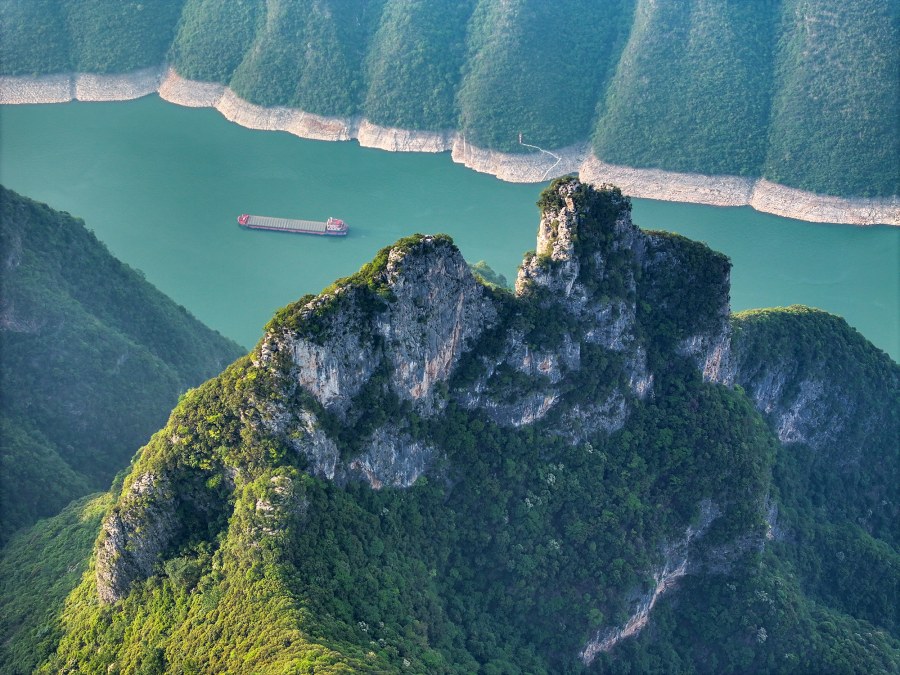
162, 186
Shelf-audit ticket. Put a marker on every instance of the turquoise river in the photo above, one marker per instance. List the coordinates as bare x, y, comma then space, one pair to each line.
162, 186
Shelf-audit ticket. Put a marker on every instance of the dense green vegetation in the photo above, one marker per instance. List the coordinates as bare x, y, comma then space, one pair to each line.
692, 89
39, 567
488, 274
519, 544
837, 64
363, 579
846, 475
33, 38
802, 92
95, 36
823, 596
538, 69
758, 619
213, 36
415, 63
79, 329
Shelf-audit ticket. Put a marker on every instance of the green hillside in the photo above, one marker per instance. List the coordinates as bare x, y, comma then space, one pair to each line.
95, 36
415, 63
802, 92
692, 88
93, 357
849, 477
39, 567
313, 509
538, 69
213, 37
34, 38
309, 55
836, 73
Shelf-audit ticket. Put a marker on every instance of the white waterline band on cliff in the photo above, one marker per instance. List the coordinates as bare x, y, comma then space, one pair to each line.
760, 194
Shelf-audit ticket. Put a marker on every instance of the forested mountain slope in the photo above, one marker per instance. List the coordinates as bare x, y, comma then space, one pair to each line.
803, 92
417, 472
93, 357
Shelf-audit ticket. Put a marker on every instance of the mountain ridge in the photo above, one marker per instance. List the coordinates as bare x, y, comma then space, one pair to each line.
417, 471
78, 328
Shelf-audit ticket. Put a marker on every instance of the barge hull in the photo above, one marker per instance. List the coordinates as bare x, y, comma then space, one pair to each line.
291, 225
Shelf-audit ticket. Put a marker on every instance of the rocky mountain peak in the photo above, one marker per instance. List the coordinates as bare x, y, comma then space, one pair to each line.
409, 314
578, 224
338, 378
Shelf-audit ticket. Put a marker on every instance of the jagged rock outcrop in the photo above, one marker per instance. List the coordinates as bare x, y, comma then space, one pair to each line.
152, 513
427, 310
580, 457
392, 459
336, 376
784, 359
283, 501
132, 538
597, 278
412, 332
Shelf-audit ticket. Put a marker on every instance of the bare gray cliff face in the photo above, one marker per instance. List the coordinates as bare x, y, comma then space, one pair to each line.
147, 520
429, 310
401, 340
439, 310
133, 537
780, 358
414, 330
593, 276
563, 282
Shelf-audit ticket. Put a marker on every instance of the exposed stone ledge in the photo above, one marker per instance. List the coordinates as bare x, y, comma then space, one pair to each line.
190, 93
668, 185
402, 140
534, 167
793, 203
89, 87
761, 194
79, 87
44, 89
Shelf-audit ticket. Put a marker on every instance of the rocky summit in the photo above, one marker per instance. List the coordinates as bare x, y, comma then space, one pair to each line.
420, 471
399, 329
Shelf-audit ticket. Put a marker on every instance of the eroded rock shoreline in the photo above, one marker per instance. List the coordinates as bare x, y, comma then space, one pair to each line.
761, 194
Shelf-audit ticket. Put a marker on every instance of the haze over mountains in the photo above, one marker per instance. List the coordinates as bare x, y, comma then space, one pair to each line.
802, 92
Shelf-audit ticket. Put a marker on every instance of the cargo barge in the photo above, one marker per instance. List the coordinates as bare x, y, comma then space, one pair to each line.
332, 227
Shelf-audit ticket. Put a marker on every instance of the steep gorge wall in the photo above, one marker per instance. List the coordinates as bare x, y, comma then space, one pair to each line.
760, 194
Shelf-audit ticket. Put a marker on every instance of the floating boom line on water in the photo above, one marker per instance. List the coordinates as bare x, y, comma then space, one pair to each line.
546, 152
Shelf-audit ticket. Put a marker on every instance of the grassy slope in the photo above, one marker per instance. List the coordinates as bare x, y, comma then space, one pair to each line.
38, 569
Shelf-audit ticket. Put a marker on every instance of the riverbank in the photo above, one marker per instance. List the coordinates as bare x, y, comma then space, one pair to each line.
760, 194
